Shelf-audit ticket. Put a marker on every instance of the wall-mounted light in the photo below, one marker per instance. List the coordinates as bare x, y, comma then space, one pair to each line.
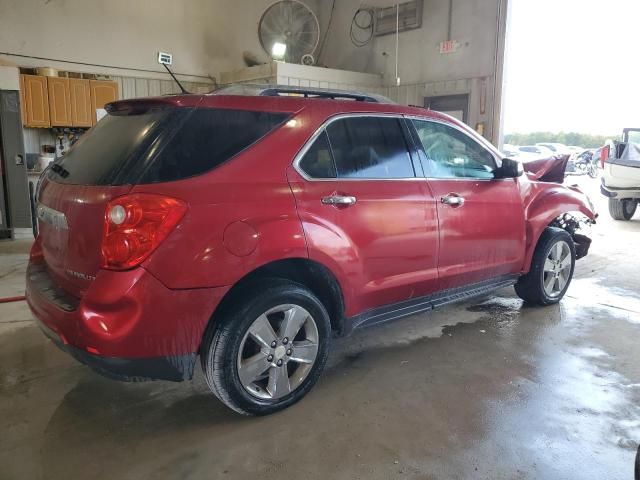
278, 50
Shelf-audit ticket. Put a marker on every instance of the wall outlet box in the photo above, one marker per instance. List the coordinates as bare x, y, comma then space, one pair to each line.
165, 58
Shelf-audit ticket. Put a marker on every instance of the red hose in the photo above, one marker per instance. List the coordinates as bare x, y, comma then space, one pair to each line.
11, 299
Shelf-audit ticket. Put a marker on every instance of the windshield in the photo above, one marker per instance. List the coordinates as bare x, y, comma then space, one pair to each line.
633, 136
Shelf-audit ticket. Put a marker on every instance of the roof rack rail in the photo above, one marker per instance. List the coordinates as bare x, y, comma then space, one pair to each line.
270, 90
278, 90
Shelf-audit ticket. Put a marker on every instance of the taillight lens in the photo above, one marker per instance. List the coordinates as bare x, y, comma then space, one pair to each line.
605, 153
135, 225
36, 254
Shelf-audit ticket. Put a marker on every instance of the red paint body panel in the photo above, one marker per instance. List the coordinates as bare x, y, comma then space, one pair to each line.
397, 242
383, 249
483, 238
131, 315
543, 203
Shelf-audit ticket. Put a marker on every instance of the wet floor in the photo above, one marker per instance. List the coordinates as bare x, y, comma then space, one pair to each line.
483, 389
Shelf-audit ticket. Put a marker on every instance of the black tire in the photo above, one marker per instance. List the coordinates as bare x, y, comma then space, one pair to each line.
223, 340
622, 209
530, 287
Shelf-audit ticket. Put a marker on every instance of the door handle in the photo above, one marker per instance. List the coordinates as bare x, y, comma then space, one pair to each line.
453, 200
338, 200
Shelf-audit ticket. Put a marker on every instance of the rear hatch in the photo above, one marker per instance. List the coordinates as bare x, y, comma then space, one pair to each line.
139, 142
76, 189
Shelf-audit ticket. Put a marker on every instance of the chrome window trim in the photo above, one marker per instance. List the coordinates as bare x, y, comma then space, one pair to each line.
496, 159
305, 148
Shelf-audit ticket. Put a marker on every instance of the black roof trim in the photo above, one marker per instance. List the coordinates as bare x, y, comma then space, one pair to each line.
306, 92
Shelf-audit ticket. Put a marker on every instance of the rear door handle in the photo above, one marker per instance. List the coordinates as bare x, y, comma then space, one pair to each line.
338, 200
453, 200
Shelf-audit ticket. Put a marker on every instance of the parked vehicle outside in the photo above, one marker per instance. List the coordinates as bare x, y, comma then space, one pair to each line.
247, 227
556, 148
621, 174
536, 151
583, 163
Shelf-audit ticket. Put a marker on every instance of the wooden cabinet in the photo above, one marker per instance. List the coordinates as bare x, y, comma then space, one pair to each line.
63, 102
36, 101
102, 92
81, 113
23, 113
59, 101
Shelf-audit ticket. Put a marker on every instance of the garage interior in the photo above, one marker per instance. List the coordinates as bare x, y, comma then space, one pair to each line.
486, 388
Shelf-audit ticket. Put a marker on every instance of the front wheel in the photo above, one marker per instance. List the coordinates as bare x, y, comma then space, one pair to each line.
622, 209
268, 349
551, 269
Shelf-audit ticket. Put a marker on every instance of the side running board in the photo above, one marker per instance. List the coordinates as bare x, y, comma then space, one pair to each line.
396, 311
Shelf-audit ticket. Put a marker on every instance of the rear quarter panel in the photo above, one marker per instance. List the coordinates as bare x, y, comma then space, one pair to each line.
241, 216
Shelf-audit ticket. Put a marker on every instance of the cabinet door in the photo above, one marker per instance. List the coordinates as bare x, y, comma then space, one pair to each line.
80, 102
23, 113
102, 92
59, 101
36, 99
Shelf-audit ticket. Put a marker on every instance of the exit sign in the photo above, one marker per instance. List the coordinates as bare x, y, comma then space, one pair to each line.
449, 46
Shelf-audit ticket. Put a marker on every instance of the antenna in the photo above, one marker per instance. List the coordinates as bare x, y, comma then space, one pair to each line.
165, 59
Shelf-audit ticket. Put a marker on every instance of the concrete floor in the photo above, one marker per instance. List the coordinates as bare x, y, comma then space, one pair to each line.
484, 389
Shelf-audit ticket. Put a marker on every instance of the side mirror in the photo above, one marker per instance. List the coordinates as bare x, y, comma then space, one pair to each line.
510, 169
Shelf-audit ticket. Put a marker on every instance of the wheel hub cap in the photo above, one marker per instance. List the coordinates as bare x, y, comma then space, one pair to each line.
280, 352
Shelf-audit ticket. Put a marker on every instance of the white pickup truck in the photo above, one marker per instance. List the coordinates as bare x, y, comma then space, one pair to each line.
621, 174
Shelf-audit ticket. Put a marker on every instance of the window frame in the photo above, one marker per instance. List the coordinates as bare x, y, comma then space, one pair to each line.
426, 161
417, 166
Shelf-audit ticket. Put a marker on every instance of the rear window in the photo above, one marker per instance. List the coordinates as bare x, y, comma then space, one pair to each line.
160, 145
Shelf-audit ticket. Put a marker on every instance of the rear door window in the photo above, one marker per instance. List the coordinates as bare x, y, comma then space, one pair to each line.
318, 161
370, 147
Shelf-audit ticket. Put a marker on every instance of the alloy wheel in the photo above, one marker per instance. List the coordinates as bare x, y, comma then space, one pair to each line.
557, 269
278, 351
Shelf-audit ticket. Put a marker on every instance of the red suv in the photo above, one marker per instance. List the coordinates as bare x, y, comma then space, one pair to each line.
250, 225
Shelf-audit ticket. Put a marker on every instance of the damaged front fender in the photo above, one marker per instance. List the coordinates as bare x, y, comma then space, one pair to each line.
556, 205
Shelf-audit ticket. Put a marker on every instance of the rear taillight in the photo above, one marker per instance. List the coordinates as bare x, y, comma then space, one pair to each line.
605, 153
36, 255
135, 225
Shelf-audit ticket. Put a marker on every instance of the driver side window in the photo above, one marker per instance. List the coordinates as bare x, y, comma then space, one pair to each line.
452, 154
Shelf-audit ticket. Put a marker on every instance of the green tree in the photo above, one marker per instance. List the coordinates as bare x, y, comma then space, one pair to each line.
584, 140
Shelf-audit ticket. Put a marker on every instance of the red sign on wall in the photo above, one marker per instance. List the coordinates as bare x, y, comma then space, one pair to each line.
449, 46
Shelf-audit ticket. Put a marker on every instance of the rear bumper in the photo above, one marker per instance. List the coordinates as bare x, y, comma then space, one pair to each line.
619, 192
174, 368
128, 325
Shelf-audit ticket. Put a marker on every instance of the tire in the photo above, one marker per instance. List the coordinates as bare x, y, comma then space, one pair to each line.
230, 344
531, 287
622, 209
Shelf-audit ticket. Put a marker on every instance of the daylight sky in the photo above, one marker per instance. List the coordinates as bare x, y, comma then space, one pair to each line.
573, 65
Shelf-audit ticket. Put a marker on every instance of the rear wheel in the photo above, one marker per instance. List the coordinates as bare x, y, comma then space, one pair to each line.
551, 269
622, 209
268, 351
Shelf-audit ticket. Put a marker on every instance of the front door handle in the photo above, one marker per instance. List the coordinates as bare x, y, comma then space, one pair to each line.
338, 200
453, 200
